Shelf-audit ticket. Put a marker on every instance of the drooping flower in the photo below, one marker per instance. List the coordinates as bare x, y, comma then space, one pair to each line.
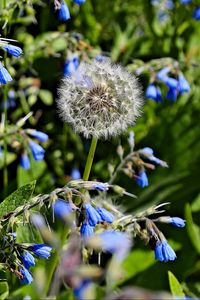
196, 13
93, 217
81, 290
13, 50
37, 150
4, 75
86, 230
148, 153
183, 84
176, 221
172, 94
71, 65
79, 2
27, 259
75, 174
24, 161
102, 102
154, 93
142, 179
164, 251
162, 74
40, 250
62, 208
105, 214
39, 135
63, 12
27, 277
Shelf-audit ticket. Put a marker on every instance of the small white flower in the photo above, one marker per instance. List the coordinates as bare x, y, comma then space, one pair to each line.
101, 99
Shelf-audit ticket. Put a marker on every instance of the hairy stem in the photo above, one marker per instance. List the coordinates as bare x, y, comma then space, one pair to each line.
90, 158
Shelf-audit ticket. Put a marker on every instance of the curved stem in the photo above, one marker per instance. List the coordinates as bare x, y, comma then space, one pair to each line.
90, 158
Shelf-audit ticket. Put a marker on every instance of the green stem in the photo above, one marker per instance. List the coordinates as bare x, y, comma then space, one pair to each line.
90, 158
5, 148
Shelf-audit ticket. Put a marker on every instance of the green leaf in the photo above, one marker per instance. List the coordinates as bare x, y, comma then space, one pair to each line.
18, 198
193, 229
46, 97
4, 290
10, 157
28, 234
175, 286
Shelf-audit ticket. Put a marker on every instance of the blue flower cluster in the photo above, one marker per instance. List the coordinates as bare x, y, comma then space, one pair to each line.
36, 150
178, 85
5, 77
93, 217
63, 10
28, 260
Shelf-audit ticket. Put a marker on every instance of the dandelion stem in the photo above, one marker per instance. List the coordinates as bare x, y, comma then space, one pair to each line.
90, 158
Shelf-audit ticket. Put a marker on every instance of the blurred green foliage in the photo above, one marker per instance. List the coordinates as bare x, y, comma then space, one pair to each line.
131, 33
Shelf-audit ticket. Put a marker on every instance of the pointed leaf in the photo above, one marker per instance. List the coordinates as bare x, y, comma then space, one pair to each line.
193, 229
175, 286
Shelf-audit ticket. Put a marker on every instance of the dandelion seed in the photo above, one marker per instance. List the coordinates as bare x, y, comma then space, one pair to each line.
101, 101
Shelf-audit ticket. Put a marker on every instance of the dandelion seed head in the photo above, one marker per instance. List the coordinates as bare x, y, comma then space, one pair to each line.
100, 100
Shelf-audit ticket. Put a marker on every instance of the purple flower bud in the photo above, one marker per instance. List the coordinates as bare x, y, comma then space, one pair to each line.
63, 13
4, 75
28, 259
27, 277
142, 179
164, 252
13, 50
86, 230
24, 161
37, 150
100, 186
93, 217
105, 215
41, 250
41, 136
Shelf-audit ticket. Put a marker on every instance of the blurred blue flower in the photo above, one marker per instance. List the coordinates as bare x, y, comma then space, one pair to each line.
93, 217
79, 2
4, 75
62, 208
115, 242
63, 13
175, 221
172, 83
185, 1
105, 215
100, 57
75, 174
142, 179
183, 84
13, 50
154, 93
37, 150
164, 252
41, 136
41, 250
24, 161
28, 259
80, 291
71, 65
86, 230
196, 13
27, 277
169, 4
162, 74
172, 94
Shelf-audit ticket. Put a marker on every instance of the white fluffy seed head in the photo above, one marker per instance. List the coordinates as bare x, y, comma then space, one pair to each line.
100, 100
